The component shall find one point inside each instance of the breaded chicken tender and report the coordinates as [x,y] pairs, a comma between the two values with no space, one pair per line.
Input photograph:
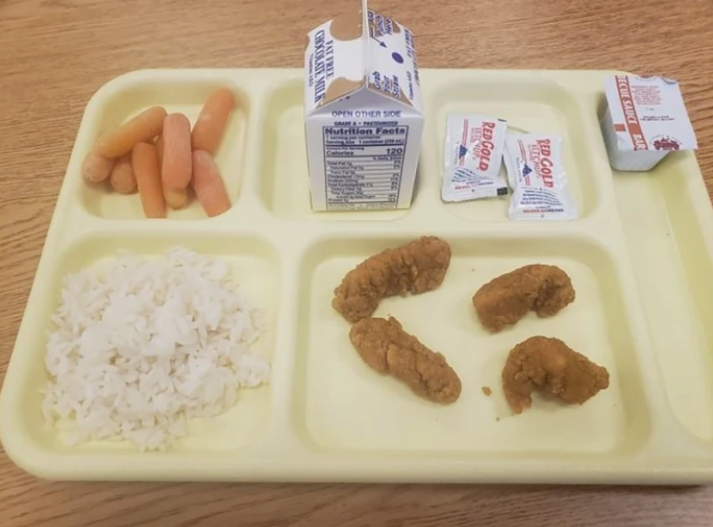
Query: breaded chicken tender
[502,302]
[387,348]
[416,267]
[552,367]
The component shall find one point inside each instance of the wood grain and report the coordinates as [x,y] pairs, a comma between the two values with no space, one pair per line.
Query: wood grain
[55,53]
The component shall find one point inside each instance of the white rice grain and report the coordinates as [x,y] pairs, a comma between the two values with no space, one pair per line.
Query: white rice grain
[142,346]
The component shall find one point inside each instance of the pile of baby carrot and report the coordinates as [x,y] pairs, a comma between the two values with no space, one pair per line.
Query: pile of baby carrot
[161,156]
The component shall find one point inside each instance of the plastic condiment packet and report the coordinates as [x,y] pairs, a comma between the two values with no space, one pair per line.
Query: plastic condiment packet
[473,157]
[536,174]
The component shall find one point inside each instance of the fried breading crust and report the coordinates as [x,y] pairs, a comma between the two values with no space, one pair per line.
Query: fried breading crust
[550,366]
[416,267]
[502,302]
[387,348]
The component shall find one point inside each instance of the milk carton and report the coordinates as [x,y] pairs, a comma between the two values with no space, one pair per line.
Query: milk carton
[363,112]
[644,121]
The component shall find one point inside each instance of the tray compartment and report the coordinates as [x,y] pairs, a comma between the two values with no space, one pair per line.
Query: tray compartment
[122,99]
[284,184]
[537,104]
[672,262]
[255,265]
[340,404]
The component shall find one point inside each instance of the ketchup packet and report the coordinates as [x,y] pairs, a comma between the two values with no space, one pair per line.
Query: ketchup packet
[473,157]
[537,177]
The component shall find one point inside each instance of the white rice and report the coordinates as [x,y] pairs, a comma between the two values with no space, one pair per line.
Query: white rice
[142,346]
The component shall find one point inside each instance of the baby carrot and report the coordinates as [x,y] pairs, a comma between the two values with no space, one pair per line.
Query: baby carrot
[208,130]
[143,127]
[148,179]
[176,199]
[122,177]
[96,168]
[176,166]
[208,185]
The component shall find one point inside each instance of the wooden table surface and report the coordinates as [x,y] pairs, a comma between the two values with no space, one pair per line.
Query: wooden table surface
[55,53]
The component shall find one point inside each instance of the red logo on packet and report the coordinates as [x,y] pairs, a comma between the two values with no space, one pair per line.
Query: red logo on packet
[544,167]
[487,146]
[666,143]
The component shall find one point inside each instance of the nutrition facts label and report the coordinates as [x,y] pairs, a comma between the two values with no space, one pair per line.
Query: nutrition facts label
[363,165]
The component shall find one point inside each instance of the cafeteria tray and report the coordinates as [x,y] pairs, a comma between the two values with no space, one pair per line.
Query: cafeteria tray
[640,257]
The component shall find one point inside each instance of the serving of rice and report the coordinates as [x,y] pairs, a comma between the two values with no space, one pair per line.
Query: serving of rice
[144,345]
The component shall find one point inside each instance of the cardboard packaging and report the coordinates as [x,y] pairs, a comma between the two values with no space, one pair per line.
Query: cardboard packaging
[645,119]
[363,112]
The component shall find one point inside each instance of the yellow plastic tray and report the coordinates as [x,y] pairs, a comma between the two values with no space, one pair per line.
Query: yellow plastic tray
[640,257]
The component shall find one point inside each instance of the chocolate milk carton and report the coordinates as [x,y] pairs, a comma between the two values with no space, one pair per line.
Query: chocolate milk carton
[363,112]
[645,119]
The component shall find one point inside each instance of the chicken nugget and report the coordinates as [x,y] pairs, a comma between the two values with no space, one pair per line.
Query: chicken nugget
[552,367]
[502,302]
[416,267]
[387,348]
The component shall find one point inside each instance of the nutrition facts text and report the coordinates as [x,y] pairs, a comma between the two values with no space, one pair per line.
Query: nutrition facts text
[363,165]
